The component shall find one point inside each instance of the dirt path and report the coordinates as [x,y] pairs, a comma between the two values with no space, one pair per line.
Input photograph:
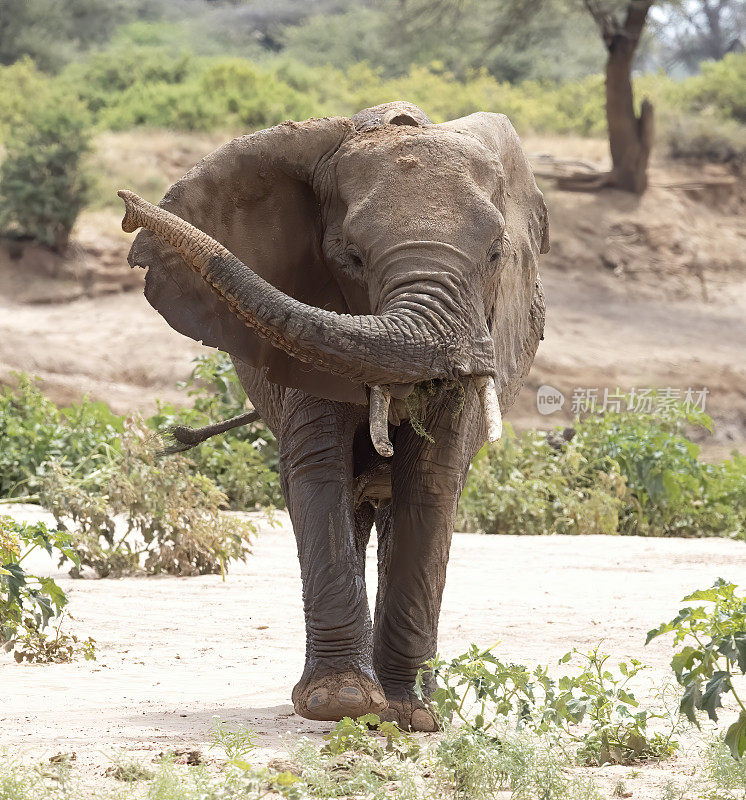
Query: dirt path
[174,653]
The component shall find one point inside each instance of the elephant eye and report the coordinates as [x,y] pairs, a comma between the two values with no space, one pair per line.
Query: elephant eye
[496,250]
[353,259]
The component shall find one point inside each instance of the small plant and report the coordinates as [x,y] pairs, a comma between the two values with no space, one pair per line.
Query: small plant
[29,603]
[129,772]
[713,653]
[724,775]
[483,694]
[480,690]
[236,742]
[474,765]
[601,697]
[353,736]
[620,789]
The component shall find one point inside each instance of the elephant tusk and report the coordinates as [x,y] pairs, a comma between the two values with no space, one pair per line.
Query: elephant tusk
[490,407]
[380,398]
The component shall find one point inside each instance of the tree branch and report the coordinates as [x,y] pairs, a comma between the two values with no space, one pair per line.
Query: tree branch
[637,12]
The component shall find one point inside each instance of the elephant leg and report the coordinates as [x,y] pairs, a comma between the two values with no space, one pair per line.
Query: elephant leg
[414,541]
[316,467]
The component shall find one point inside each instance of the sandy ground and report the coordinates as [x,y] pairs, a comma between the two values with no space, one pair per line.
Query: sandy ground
[173,653]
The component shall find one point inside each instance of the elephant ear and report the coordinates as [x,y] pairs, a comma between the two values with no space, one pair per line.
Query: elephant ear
[514,306]
[254,195]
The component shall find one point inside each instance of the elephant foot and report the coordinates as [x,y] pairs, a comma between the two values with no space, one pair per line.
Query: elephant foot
[334,695]
[408,711]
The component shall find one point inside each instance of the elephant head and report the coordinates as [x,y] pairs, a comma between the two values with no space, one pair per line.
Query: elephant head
[354,258]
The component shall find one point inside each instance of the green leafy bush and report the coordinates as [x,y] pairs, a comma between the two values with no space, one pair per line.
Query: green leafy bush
[244,462]
[35,432]
[20,81]
[29,603]
[143,79]
[720,87]
[713,654]
[87,464]
[43,184]
[104,76]
[624,473]
[172,515]
[705,138]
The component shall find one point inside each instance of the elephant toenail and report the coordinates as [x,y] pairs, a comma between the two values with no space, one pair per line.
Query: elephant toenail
[350,696]
[377,698]
[423,720]
[317,698]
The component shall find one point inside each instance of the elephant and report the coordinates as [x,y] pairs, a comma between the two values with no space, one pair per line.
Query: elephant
[375,282]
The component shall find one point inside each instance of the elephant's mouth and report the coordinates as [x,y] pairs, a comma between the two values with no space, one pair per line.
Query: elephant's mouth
[380,401]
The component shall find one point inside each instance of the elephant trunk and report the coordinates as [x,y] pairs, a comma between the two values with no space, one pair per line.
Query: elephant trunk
[396,347]
[393,347]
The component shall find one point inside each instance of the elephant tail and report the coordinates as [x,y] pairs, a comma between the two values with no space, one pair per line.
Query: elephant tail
[185,438]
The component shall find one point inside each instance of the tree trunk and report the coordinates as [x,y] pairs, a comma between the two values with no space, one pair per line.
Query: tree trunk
[630,137]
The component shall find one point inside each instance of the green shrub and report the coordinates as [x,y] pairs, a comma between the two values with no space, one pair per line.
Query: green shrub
[171,514]
[81,439]
[86,464]
[184,106]
[721,87]
[34,432]
[244,462]
[705,138]
[43,185]
[20,81]
[29,603]
[104,76]
[144,77]
[622,473]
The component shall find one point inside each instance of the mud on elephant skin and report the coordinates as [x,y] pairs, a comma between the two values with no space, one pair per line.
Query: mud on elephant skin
[373,279]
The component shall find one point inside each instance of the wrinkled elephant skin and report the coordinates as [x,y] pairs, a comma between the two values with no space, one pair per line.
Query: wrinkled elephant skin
[351,267]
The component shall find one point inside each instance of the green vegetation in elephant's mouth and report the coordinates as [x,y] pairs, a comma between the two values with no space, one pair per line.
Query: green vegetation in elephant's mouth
[427,393]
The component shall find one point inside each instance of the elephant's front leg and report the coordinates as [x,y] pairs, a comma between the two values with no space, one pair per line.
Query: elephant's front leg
[414,541]
[316,466]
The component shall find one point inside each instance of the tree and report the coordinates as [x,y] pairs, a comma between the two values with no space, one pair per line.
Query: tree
[630,136]
[508,38]
[692,31]
[621,24]
[53,32]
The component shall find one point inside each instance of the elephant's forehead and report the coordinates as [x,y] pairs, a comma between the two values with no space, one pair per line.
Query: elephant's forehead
[400,149]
